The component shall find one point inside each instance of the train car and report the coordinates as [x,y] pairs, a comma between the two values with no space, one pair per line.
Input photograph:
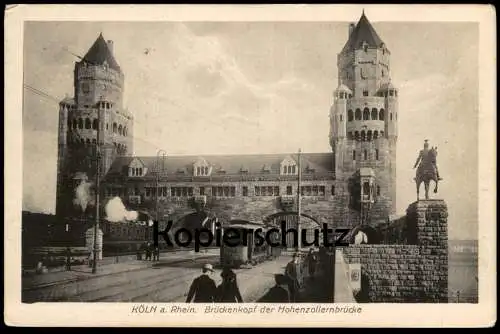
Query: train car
[245,253]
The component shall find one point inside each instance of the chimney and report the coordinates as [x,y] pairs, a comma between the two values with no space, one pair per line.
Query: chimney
[110,45]
[351,28]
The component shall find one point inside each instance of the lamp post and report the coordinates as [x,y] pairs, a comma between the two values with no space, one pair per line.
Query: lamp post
[157,197]
[100,106]
[299,241]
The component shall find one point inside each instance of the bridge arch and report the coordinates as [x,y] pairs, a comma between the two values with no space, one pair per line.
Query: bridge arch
[310,224]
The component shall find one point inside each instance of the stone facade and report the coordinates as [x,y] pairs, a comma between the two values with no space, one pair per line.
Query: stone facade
[353,184]
[413,272]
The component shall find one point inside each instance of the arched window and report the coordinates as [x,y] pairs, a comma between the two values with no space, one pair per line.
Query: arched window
[289,169]
[375,134]
[365,155]
[120,129]
[293,169]
[381,134]
[75,124]
[381,115]
[356,135]
[115,127]
[396,116]
[366,114]
[87,123]
[206,170]
[94,124]
[94,141]
[363,135]
[88,142]
[376,153]
[378,190]
[358,114]
[353,154]
[82,141]
[124,130]
[140,171]
[198,171]
[341,118]
[107,126]
[350,115]
[366,188]
[80,123]
[369,135]
[390,115]
[374,114]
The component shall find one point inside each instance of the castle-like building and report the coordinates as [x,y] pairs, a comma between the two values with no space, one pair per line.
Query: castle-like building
[353,184]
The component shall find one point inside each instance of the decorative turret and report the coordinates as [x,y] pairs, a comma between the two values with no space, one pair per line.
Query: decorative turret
[338,114]
[364,120]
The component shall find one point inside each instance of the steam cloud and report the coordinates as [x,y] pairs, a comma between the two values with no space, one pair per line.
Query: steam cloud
[116,211]
[82,193]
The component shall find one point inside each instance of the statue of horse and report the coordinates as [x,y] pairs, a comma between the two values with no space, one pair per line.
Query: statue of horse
[426,172]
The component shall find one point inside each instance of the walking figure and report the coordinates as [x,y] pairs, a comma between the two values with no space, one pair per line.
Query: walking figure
[228,291]
[312,262]
[68,259]
[279,292]
[156,254]
[203,288]
[293,272]
[148,252]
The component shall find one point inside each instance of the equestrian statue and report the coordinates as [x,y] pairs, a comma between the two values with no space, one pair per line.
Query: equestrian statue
[427,169]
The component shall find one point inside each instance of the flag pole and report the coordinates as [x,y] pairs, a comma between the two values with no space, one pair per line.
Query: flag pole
[299,190]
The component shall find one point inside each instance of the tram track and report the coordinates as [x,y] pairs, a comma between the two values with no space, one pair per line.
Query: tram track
[89,288]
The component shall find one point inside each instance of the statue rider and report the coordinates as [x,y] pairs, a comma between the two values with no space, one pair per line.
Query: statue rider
[424,154]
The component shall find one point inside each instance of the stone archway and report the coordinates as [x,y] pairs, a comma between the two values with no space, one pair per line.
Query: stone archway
[290,219]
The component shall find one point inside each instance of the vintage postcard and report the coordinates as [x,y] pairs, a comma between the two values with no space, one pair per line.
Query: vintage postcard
[271,165]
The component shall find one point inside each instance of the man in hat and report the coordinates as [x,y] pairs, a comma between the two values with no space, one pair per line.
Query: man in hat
[279,292]
[203,288]
[293,272]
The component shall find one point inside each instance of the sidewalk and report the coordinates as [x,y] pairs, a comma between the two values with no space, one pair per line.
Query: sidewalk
[83,272]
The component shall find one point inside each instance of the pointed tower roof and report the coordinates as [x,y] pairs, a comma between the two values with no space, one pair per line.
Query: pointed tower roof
[363,32]
[100,53]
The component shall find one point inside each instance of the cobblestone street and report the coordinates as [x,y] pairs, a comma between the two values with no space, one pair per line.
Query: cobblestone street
[140,281]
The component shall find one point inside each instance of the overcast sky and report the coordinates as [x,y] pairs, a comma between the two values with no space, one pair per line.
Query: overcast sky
[231,88]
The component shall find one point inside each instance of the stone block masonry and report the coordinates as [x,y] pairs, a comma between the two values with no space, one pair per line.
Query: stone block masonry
[414,272]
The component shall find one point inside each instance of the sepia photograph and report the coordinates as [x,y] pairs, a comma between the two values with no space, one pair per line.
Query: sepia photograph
[241,161]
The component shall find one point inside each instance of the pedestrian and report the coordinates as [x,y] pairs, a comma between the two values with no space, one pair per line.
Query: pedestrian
[293,273]
[279,292]
[203,288]
[156,254]
[312,262]
[228,291]
[68,259]
[148,252]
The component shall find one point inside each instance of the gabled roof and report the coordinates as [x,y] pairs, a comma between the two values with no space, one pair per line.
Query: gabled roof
[231,164]
[363,32]
[100,53]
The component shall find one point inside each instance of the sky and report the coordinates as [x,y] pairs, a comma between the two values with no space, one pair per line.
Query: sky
[261,87]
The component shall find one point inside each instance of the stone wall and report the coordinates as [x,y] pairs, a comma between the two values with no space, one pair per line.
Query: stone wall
[416,269]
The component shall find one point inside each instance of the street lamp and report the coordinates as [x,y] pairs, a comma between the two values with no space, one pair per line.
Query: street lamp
[100,106]
[163,154]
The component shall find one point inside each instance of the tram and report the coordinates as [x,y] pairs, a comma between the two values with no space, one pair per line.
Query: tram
[247,253]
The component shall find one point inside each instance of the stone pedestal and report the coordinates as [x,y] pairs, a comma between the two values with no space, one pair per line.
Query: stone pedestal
[429,218]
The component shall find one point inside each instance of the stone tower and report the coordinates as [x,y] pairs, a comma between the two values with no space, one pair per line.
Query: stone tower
[363,123]
[98,87]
